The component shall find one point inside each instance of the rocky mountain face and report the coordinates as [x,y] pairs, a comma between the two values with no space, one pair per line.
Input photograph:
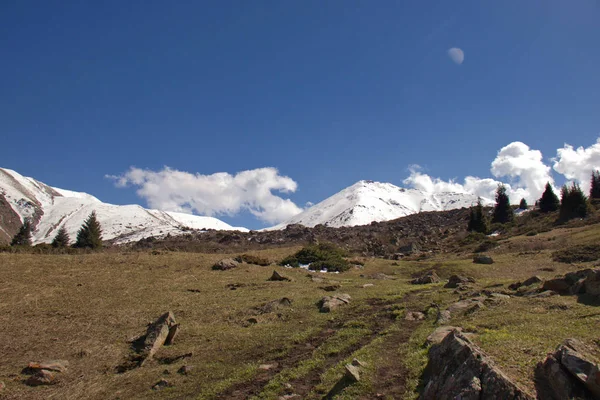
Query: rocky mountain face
[49,208]
[368,201]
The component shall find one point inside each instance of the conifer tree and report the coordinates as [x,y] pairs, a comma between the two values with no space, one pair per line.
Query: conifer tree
[478,221]
[523,204]
[23,237]
[595,188]
[90,233]
[503,213]
[573,203]
[549,201]
[61,239]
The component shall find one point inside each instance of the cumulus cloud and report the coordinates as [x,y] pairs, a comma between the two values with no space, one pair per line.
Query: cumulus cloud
[526,172]
[217,194]
[578,164]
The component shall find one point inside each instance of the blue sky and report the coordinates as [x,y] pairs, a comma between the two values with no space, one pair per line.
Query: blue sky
[327,92]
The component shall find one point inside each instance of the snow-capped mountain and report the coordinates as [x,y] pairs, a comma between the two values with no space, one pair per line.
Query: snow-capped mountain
[368,201]
[50,208]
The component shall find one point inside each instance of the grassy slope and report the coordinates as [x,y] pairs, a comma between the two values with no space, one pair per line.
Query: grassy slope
[83,308]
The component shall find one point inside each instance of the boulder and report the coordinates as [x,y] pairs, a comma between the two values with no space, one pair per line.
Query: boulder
[351,376]
[428,277]
[458,369]
[439,334]
[276,276]
[54,365]
[225,264]
[160,332]
[531,281]
[570,372]
[456,280]
[482,259]
[41,377]
[583,282]
[330,303]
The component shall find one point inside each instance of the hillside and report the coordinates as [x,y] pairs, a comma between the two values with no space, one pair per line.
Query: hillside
[49,208]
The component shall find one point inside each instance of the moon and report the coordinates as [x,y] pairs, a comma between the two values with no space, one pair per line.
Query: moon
[456,55]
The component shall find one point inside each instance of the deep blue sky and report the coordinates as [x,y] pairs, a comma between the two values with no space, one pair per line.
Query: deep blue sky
[329,92]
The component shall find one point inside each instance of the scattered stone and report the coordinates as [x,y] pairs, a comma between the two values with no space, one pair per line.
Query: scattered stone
[366,285]
[414,316]
[352,373]
[331,288]
[428,277]
[41,377]
[54,365]
[278,277]
[225,264]
[330,303]
[544,294]
[458,369]
[351,376]
[273,305]
[267,367]
[466,306]
[163,383]
[443,316]
[160,332]
[185,370]
[457,280]
[481,259]
[570,372]
[381,276]
[439,334]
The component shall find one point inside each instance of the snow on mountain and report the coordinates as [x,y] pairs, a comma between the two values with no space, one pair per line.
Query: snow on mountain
[50,208]
[368,201]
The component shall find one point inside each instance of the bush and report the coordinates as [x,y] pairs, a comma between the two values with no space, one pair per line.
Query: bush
[322,256]
[580,253]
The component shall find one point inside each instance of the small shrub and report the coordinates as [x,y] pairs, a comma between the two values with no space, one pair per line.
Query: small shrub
[322,256]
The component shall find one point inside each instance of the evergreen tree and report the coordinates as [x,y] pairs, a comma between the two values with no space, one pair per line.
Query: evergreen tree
[549,201]
[523,204]
[61,239]
[503,213]
[23,237]
[478,221]
[595,189]
[573,203]
[90,233]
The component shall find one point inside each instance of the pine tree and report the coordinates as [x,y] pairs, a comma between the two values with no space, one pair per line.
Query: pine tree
[23,237]
[523,204]
[573,203]
[549,201]
[61,239]
[595,188]
[478,221]
[90,233]
[503,213]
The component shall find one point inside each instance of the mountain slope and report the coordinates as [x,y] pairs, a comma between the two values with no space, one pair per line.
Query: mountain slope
[368,201]
[50,208]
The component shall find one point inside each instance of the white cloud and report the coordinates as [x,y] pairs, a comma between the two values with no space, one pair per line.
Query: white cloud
[523,166]
[578,164]
[457,55]
[217,194]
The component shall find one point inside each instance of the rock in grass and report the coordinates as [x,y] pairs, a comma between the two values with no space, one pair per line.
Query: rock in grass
[54,365]
[41,377]
[481,259]
[184,370]
[276,276]
[330,303]
[428,277]
[414,316]
[163,383]
[456,280]
[160,332]
[225,264]
[440,333]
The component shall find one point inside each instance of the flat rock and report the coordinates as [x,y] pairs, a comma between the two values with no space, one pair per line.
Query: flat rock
[225,264]
[54,365]
[440,333]
[41,377]
[330,303]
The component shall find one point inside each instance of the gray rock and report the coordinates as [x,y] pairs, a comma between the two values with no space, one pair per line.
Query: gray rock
[456,280]
[54,365]
[163,383]
[481,259]
[225,264]
[428,277]
[330,303]
[440,333]
[41,377]
[276,276]
[458,369]
[578,360]
[414,316]
[156,336]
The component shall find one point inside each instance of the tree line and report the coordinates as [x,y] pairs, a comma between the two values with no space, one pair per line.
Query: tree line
[89,235]
[573,203]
